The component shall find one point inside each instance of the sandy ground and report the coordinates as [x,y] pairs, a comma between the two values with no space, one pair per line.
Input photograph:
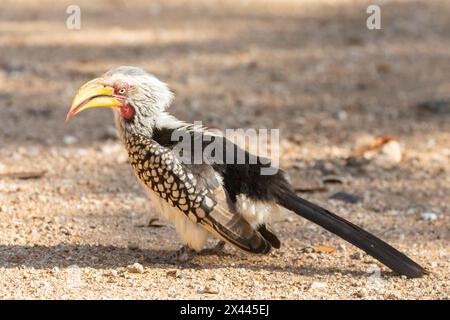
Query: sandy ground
[310,68]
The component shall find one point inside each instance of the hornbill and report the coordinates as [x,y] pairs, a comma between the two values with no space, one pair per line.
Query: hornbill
[231,201]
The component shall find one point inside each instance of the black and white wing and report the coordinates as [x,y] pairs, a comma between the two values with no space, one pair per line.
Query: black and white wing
[195,190]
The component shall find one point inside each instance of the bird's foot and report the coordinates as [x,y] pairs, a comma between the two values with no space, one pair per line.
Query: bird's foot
[217,249]
[184,254]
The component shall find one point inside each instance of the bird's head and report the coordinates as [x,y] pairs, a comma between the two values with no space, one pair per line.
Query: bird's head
[137,97]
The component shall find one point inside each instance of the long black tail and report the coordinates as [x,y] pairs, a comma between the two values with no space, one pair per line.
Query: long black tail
[374,246]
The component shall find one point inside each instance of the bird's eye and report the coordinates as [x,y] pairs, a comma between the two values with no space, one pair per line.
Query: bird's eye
[122,91]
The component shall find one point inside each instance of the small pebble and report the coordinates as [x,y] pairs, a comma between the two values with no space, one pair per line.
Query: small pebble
[133,214]
[346,197]
[210,290]
[428,216]
[312,256]
[390,154]
[64,231]
[140,224]
[437,106]
[133,246]
[172,273]
[135,268]
[215,277]
[342,115]
[358,255]
[318,285]
[111,273]
[69,140]
[361,293]
[182,275]
[308,249]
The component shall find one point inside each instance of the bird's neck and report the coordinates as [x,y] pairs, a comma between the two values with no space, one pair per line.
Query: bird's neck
[149,127]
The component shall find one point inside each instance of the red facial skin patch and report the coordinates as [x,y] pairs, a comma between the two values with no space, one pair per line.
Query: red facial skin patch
[127,112]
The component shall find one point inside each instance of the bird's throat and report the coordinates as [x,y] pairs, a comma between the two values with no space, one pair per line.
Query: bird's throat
[127,112]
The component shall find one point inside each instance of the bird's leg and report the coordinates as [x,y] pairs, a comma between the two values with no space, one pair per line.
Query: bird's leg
[217,249]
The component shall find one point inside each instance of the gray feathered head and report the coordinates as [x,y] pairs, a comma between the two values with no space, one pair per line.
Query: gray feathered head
[137,97]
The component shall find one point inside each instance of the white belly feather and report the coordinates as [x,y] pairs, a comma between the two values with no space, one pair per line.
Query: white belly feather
[192,234]
[258,212]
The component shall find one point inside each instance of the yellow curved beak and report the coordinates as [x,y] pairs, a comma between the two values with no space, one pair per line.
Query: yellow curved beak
[93,94]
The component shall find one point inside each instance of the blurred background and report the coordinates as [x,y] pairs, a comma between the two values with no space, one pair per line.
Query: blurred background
[369,108]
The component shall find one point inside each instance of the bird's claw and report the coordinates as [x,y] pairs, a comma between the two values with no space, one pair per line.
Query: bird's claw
[184,254]
[217,249]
